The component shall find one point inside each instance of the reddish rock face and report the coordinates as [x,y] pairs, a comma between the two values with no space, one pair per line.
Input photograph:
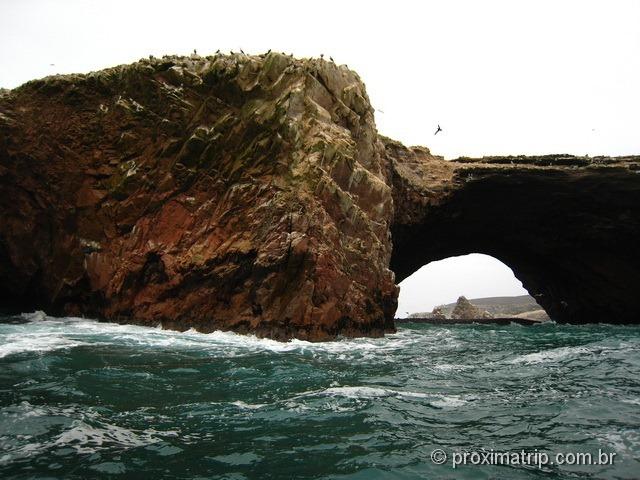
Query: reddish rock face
[253,194]
[243,193]
[568,226]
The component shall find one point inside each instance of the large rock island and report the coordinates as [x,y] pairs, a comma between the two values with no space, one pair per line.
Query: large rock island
[254,194]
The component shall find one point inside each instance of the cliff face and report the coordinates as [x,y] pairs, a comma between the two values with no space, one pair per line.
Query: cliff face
[229,192]
[568,226]
[253,193]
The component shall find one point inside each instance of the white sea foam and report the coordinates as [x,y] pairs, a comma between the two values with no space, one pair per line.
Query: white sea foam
[36,316]
[623,442]
[85,438]
[248,406]
[449,367]
[358,392]
[551,355]
[449,401]
[84,430]
[44,333]
[35,342]
[368,392]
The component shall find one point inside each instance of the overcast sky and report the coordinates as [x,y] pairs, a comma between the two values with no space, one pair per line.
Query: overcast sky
[500,77]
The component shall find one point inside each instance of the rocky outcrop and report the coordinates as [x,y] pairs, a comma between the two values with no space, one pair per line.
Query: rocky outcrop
[568,226]
[243,193]
[436,313]
[464,310]
[501,307]
[253,194]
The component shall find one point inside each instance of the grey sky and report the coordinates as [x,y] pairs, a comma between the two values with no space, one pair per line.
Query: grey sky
[473,276]
[500,77]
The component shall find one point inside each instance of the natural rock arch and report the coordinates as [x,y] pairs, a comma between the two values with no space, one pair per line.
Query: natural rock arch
[567,226]
[253,193]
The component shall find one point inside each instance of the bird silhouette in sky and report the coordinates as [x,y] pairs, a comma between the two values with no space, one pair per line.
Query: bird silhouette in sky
[438,130]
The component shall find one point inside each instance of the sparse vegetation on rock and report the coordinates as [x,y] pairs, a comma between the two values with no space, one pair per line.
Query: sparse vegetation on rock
[253,193]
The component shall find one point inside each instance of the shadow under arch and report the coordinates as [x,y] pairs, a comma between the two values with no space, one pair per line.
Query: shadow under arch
[571,237]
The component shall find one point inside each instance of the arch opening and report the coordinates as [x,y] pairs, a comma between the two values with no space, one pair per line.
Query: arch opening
[484,280]
[570,241]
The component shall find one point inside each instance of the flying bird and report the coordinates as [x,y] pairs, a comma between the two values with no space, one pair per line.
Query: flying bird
[379,110]
[438,130]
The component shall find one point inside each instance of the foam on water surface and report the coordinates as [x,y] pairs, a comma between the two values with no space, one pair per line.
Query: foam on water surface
[80,398]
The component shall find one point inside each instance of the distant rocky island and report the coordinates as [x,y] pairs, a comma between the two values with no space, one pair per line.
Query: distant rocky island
[253,193]
[522,306]
[500,310]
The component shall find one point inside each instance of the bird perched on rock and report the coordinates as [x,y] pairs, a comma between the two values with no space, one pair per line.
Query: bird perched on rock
[439,129]
[195,52]
[331,58]
[268,51]
[218,51]
[242,51]
[322,55]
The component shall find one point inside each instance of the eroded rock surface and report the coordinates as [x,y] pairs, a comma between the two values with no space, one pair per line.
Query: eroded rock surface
[254,194]
[228,192]
[464,310]
[568,226]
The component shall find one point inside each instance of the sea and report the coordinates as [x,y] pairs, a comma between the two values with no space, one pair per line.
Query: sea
[82,399]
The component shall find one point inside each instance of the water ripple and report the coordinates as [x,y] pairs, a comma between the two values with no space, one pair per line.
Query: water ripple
[80,398]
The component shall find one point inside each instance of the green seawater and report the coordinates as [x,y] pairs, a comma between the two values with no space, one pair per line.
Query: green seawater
[81,399]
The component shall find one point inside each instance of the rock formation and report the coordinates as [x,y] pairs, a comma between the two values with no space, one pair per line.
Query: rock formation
[436,313]
[238,192]
[464,310]
[254,194]
[568,226]
[521,306]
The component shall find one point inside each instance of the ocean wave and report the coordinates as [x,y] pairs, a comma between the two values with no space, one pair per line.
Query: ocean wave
[248,406]
[83,430]
[49,333]
[86,438]
[367,392]
[551,355]
[39,342]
